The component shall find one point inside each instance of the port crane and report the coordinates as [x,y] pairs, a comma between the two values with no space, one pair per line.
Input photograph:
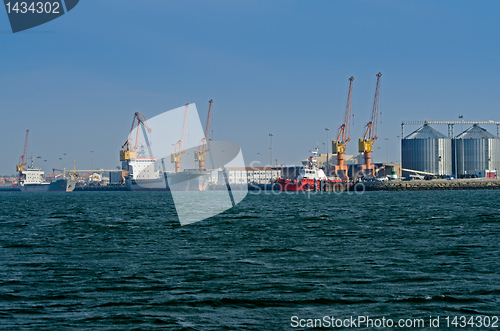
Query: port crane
[176,157]
[201,155]
[22,159]
[73,173]
[339,146]
[129,150]
[366,144]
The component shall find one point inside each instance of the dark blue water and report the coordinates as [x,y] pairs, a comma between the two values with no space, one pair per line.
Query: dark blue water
[120,260]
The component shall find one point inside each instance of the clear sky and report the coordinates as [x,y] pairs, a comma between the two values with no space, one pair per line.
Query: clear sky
[274,66]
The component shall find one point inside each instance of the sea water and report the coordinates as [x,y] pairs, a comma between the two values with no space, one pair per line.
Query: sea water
[120,260]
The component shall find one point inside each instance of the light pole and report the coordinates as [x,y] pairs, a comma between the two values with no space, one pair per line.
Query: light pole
[327,152]
[387,150]
[271,163]
[271,150]
[92,153]
[463,152]
[399,157]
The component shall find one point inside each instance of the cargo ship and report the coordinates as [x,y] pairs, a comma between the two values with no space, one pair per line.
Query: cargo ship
[188,180]
[144,176]
[31,180]
[309,178]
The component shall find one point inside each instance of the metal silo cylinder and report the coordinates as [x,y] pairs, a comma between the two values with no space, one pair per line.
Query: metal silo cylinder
[427,150]
[476,149]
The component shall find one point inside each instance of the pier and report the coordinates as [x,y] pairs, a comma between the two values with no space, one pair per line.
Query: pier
[435,184]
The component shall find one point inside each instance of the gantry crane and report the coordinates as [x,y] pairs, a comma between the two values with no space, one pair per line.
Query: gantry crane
[129,150]
[366,144]
[22,159]
[201,155]
[339,146]
[179,146]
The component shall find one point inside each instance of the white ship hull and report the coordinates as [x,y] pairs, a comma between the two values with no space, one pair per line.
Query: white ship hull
[188,180]
[157,184]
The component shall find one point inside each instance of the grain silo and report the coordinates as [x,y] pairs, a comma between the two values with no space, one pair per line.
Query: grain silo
[427,150]
[476,149]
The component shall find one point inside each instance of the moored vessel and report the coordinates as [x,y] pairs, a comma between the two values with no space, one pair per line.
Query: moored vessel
[144,176]
[188,180]
[31,180]
[310,177]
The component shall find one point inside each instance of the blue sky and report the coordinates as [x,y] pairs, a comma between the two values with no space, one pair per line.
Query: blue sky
[278,67]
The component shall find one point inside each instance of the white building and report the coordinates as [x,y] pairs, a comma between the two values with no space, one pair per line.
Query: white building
[249,175]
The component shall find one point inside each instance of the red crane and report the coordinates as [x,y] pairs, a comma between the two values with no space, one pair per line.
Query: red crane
[22,159]
[339,146]
[179,146]
[201,155]
[366,144]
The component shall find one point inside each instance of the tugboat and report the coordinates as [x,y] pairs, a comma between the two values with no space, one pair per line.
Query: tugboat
[309,179]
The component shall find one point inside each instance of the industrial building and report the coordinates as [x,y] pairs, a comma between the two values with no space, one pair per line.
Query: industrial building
[475,151]
[250,175]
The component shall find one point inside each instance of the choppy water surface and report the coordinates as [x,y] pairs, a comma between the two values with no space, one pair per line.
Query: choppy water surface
[120,260]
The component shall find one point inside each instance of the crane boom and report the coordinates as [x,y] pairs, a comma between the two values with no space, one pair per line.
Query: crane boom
[129,150]
[204,147]
[339,146]
[370,134]
[179,146]
[22,160]
[345,129]
[371,127]
[209,124]
[141,119]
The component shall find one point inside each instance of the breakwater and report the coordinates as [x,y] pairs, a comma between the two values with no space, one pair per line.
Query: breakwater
[435,184]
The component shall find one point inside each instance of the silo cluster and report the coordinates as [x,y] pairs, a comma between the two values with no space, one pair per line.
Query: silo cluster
[428,150]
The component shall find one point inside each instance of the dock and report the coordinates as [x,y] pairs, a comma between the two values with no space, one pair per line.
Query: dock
[435,184]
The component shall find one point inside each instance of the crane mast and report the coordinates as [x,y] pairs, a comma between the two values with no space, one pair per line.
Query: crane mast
[22,159]
[201,155]
[339,146]
[370,135]
[176,157]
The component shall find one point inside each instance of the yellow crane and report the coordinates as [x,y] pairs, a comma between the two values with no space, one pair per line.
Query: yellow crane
[339,146]
[129,150]
[176,157]
[201,155]
[366,144]
[22,160]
